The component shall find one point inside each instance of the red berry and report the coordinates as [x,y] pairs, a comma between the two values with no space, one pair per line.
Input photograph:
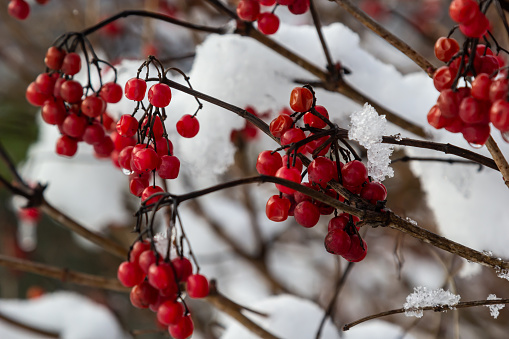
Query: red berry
[298,163]
[277,208]
[34,95]
[159,95]
[111,92]
[155,127]
[476,134]
[306,214]
[293,135]
[197,286]
[354,173]
[315,121]
[443,78]
[499,89]
[164,146]
[74,125]
[463,10]
[285,2]
[161,277]
[71,64]
[18,9]
[149,191]
[104,148]
[66,146]
[268,163]
[170,312]
[188,126]
[473,111]
[268,23]
[448,102]
[321,171]
[169,168]
[146,259]
[299,7]
[477,27]
[481,87]
[267,2]
[71,91]
[94,133]
[299,196]
[93,106]
[183,329]
[127,126]
[183,268]
[143,295]
[53,112]
[46,83]
[146,160]
[446,48]
[291,174]
[137,185]
[499,115]
[373,192]
[135,89]
[301,99]
[138,248]
[248,10]
[337,242]
[130,274]
[54,58]
[280,125]
[356,252]
[436,119]
[121,142]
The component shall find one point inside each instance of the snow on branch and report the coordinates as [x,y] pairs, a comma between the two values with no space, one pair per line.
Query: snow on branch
[422,297]
[368,128]
[494,309]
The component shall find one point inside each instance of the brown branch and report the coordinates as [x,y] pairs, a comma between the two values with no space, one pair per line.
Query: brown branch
[233,310]
[105,243]
[63,275]
[499,159]
[464,304]
[387,36]
[318,26]
[28,328]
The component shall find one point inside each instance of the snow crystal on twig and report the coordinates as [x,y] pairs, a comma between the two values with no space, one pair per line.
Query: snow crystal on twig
[494,309]
[368,128]
[504,274]
[422,297]
[413,222]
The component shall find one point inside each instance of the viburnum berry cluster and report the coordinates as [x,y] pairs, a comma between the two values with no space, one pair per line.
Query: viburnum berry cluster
[20,9]
[320,142]
[159,284]
[473,85]
[268,22]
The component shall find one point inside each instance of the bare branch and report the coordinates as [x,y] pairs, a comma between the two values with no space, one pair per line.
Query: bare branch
[499,159]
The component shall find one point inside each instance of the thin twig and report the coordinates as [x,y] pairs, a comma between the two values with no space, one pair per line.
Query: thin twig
[499,159]
[28,328]
[62,274]
[318,26]
[463,304]
[387,36]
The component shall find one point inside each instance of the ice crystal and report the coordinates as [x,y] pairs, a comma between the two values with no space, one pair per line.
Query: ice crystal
[423,297]
[494,309]
[368,128]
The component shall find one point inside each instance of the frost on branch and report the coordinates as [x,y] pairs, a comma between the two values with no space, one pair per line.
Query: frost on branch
[368,128]
[422,297]
[494,309]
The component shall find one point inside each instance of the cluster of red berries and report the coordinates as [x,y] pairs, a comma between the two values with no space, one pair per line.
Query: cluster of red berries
[483,99]
[20,9]
[343,237]
[64,103]
[268,22]
[157,284]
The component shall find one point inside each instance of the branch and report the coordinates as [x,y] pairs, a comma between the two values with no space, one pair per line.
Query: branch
[463,304]
[387,36]
[63,275]
[499,159]
[105,243]
[318,26]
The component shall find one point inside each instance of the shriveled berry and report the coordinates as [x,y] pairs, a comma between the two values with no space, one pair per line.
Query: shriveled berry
[127,126]
[277,208]
[301,99]
[169,168]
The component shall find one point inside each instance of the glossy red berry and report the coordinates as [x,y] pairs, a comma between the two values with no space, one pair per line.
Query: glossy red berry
[130,274]
[481,87]
[268,23]
[93,106]
[301,99]
[448,101]
[373,192]
[293,162]
[499,115]
[443,78]
[446,48]
[248,10]
[71,64]
[306,214]
[94,133]
[18,9]
[54,58]
[111,92]
[473,111]
[499,89]
[354,173]
[197,286]
[183,329]
[170,312]
[146,259]
[74,125]
[436,119]
[149,191]
[164,146]
[476,134]
[143,295]
[293,135]
[104,148]
[53,112]
[169,168]
[321,171]
[291,174]
[183,268]
[268,163]
[34,95]
[71,91]
[121,142]
[127,126]
[159,95]
[277,208]
[358,249]
[463,10]
[299,7]
[146,160]
[138,248]
[46,82]
[188,126]
[135,89]
[66,146]
[280,125]
[314,120]
[337,242]
[477,27]
[161,277]
[137,185]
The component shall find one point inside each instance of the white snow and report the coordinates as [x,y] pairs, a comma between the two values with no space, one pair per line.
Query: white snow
[494,309]
[71,315]
[368,128]
[424,297]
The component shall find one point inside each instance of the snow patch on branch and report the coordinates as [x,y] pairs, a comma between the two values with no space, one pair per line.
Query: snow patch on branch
[368,128]
[423,297]
[494,309]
